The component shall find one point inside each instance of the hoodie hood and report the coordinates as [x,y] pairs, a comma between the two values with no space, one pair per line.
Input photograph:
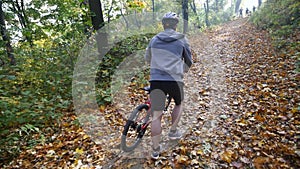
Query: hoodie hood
[169,35]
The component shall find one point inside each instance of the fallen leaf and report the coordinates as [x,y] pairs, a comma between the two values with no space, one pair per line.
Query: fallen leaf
[260,161]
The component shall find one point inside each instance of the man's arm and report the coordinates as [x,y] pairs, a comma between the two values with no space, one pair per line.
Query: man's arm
[148,55]
[187,57]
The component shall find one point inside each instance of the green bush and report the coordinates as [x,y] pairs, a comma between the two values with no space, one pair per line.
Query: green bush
[281,19]
[34,93]
[112,59]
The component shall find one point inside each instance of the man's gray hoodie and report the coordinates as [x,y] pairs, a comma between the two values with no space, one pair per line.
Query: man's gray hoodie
[169,56]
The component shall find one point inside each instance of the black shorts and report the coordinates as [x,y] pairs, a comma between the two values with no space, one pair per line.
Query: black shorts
[159,90]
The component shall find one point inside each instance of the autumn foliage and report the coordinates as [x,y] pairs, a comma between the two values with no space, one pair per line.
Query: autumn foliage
[241,106]
[257,126]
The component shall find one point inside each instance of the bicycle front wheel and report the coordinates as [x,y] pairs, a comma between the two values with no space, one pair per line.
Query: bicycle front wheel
[135,128]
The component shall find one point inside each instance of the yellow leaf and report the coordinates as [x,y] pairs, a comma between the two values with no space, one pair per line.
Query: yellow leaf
[242,122]
[79,151]
[102,108]
[142,85]
[227,156]
[261,143]
[200,152]
[259,161]
[295,110]
[182,159]
[183,150]
[167,167]
[86,136]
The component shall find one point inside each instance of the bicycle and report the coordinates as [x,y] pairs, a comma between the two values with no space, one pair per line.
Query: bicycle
[137,123]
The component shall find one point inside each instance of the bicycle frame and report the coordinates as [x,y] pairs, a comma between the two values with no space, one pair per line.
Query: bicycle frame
[139,122]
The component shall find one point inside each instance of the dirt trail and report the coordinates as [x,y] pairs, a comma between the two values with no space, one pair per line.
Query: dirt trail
[236,111]
[206,94]
[240,87]
[206,83]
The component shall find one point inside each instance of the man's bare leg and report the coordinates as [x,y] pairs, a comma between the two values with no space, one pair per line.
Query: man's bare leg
[176,115]
[156,128]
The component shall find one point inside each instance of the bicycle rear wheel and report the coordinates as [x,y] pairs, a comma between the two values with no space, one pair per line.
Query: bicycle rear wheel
[135,128]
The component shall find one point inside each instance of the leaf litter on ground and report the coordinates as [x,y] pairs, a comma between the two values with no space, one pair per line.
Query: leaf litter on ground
[241,111]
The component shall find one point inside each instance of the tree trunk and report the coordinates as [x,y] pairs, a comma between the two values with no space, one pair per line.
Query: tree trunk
[259,3]
[97,14]
[206,8]
[153,7]
[217,5]
[98,23]
[153,10]
[5,37]
[237,6]
[185,15]
[19,9]
[193,6]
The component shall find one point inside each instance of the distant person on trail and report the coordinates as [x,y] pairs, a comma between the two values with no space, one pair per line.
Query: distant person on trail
[170,57]
[241,12]
[254,8]
[247,12]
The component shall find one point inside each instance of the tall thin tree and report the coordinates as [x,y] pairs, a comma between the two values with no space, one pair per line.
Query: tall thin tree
[153,10]
[153,7]
[194,9]
[5,37]
[217,5]
[206,8]
[259,3]
[18,7]
[237,5]
[185,15]
[98,23]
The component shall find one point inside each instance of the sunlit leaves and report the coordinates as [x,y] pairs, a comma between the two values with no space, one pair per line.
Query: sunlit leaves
[136,4]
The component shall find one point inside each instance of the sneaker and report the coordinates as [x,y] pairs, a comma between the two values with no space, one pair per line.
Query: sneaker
[156,152]
[175,135]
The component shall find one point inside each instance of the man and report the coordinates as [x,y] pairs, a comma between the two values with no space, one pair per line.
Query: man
[169,56]
[241,12]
